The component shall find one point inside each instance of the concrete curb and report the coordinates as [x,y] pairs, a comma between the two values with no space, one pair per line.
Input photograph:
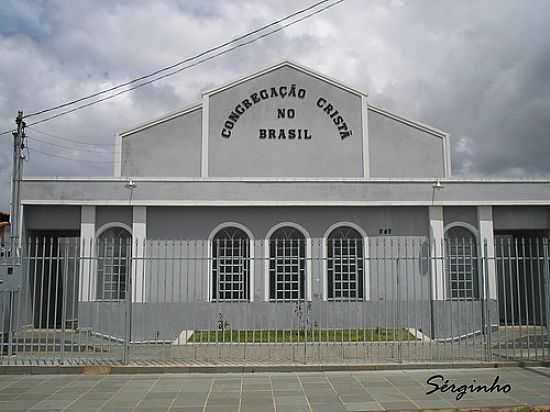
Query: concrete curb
[245,368]
[537,408]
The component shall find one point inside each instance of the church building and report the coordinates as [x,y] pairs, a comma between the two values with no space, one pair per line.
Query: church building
[286,186]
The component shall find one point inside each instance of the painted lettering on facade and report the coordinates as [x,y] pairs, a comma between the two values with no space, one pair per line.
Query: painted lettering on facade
[284,134]
[286,93]
[282,92]
[335,116]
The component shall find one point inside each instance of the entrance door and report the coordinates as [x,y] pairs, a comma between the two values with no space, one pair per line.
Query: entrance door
[53,266]
[520,278]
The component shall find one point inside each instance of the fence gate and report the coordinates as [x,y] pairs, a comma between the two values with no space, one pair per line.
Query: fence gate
[344,299]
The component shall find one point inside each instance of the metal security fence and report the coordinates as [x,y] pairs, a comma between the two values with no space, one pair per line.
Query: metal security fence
[288,299]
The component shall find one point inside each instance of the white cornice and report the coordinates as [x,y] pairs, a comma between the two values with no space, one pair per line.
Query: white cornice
[161,119]
[430,180]
[307,203]
[285,63]
[421,126]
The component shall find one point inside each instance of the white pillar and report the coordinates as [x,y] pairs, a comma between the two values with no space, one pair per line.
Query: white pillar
[436,250]
[88,278]
[486,236]
[139,235]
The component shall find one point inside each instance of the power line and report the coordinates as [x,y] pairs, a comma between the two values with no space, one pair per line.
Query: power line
[95,151]
[139,85]
[72,158]
[55,136]
[179,63]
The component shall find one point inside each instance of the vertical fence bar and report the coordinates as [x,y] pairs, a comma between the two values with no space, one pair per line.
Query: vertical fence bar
[11,336]
[540,291]
[419,349]
[505,269]
[532,290]
[56,301]
[48,296]
[75,313]
[64,301]
[430,296]
[34,259]
[546,288]
[518,291]
[397,296]
[131,263]
[525,288]
[511,272]
[487,303]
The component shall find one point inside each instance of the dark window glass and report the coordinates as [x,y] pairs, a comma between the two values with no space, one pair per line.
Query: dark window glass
[230,265]
[345,273]
[462,264]
[113,263]
[287,250]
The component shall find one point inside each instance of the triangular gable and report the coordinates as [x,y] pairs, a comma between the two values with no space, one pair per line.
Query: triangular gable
[285,63]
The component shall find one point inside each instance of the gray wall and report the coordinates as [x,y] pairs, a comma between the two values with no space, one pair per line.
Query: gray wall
[459,318]
[173,279]
[325,154]
[397,149]
[171,148]
[521,217]
[52,217]
[178,271]
[110,214]
[196,223]
[462,214]
[165,321]
[149,192]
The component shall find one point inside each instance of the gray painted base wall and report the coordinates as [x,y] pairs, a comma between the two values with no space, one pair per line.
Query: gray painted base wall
[460,318]
[166,321]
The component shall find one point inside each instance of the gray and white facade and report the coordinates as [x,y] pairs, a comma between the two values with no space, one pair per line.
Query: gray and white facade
[287,153]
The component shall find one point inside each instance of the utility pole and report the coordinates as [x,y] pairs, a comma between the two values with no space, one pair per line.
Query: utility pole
[11,265]
[18,145]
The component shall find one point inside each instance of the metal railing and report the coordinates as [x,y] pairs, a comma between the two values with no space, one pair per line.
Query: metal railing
[290,299]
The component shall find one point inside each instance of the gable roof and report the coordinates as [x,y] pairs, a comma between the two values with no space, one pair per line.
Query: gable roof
[293,65]
[285,63]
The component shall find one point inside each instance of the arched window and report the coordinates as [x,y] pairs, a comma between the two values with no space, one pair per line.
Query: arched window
[230,265]
[114,250]
[345,273]
[462,263]
[287,263]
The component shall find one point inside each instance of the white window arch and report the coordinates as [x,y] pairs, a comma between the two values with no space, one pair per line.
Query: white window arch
[345,261]
[288,263]
[231,268]
[462,261]
[114,254]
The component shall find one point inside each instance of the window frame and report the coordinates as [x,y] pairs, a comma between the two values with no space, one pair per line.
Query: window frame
[358,262]
[306,257]
[128,258]
[476,291]
[366,260]
[213,233]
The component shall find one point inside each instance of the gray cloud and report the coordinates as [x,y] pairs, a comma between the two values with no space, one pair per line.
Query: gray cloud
[479,70]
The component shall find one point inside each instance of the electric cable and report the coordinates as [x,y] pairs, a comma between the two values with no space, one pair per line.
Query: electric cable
[186,60]
[139,85]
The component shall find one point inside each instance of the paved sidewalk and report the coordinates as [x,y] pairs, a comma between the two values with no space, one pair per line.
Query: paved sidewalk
[264,392]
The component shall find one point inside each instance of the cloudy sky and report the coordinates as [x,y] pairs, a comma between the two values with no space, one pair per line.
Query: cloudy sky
[478,70]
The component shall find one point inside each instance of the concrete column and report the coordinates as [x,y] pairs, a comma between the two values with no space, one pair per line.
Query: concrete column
[486,237]
[88,276]
[139,235]
[436,250]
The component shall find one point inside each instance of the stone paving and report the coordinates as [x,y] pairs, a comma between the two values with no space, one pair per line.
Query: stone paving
[264,392]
